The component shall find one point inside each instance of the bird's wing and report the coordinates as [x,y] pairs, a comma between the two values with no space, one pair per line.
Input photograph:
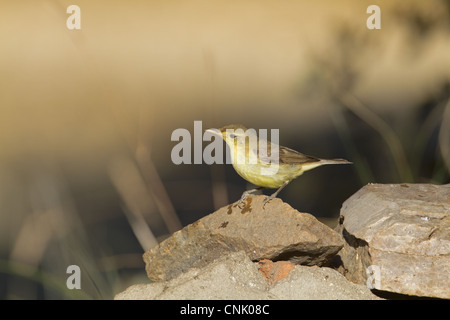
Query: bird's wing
[285,156]
[290,156]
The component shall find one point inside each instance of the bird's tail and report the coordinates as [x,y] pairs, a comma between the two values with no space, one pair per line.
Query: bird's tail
[334,161]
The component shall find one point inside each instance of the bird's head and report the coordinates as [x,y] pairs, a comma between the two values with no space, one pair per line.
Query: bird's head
[231,133]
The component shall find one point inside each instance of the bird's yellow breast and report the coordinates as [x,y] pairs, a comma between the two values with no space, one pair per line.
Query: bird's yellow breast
[263,176]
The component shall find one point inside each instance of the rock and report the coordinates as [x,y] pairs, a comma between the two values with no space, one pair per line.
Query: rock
[230,277]
[277,232]
[235,277]
[397,238]
[275,271]
[314,283]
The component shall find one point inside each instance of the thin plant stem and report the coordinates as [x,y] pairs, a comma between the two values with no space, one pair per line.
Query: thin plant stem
[385,131]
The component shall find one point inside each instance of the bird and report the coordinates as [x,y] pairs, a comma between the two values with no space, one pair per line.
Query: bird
[275,168]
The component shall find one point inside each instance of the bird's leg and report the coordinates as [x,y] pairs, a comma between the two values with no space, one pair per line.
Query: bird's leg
[246,194]
[273,195]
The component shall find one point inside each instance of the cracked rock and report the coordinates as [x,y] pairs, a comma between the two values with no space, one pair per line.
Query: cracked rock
[276,232]
[235,277]
[397,238]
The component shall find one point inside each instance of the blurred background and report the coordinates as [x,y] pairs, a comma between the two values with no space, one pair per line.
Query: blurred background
[86,118]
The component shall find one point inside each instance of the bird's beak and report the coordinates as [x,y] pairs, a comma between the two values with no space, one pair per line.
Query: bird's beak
[215,131]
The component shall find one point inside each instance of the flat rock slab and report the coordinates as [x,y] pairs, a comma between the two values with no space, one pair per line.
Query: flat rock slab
[276,232]
[230,277]
[235,277]
[397,238]
[314,283]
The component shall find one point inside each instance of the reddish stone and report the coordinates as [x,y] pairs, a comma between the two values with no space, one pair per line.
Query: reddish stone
[275,271]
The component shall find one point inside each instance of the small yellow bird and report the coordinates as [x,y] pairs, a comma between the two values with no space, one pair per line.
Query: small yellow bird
[274,168]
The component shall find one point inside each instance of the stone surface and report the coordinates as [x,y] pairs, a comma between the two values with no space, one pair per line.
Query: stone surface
[235,277]
[275,271]
[276,232]
[397,238]
[314,283]
[231,277]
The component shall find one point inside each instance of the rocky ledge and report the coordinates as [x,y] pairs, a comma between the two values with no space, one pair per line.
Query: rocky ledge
[397,238]
[391,238]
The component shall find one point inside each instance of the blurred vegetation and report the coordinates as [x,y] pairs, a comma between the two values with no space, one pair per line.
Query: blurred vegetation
[85,170]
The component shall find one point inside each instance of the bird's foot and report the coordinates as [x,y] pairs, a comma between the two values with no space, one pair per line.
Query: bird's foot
[245,194]
[266,200]
[240,203]
[274,195]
